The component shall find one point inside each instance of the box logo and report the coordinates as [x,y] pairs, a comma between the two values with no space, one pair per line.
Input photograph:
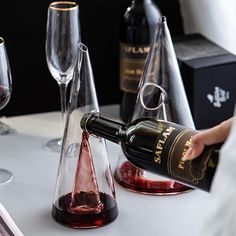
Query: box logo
[218,97]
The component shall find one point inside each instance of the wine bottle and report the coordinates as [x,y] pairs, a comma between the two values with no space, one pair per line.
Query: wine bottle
[138,25]
[158,146]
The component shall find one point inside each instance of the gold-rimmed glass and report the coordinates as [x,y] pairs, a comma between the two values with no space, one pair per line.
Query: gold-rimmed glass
[62,38]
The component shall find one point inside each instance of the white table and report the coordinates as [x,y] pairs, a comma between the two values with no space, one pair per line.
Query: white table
[28,198]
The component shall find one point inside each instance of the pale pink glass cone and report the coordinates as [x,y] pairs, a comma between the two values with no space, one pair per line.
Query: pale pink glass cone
[85,194]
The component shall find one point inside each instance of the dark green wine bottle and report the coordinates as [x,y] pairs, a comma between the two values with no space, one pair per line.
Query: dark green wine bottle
[137,28]
[158,146]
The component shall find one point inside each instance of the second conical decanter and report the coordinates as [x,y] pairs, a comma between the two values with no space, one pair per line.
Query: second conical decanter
[161,95]
[85,194]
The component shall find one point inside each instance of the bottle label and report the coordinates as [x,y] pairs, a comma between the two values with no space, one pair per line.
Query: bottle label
[132,60]
[172,144]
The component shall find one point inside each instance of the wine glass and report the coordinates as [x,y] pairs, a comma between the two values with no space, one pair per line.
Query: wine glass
[5,94]
[62,38]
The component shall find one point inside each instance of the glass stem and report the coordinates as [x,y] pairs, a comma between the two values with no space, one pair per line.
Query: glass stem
[63,89]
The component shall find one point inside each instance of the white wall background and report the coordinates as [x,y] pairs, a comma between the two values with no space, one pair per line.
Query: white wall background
[215,19]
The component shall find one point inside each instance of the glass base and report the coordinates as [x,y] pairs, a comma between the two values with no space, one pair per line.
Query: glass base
[131,178]
[5,176]
[54,145]
[4,128]
[64,214]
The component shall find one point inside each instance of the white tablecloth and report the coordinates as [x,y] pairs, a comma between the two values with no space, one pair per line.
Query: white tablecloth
[28,198]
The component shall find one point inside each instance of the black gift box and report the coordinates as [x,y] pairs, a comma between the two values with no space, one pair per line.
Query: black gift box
[209,76]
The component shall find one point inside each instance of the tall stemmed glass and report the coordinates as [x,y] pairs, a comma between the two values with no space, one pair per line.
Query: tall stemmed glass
[5,94]
[62,38]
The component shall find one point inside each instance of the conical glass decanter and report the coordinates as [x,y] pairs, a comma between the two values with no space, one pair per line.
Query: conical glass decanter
[161,95]
[85,194]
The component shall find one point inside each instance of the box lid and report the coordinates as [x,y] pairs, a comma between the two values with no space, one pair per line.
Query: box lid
[211,61]
[197,51]
[192,46]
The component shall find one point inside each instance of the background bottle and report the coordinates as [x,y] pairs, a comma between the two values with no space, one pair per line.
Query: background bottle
[158,146]
[137,29]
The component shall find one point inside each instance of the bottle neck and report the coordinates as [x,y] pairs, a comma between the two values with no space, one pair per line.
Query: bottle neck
[102,127]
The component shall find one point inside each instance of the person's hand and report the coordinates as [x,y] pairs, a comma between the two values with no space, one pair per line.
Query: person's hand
[217,134]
